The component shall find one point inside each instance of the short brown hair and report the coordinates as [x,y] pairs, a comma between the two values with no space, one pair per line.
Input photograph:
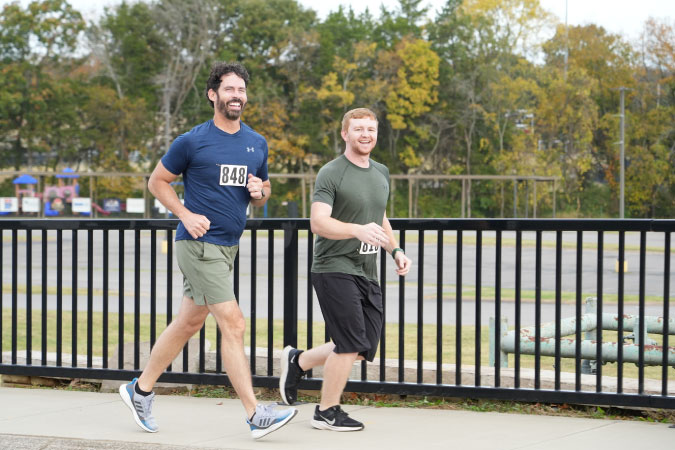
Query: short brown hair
[224,68]
[358,113]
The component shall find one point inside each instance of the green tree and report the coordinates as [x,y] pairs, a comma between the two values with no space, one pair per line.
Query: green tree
[36,48]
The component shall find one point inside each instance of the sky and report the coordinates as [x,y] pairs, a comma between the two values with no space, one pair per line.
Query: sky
[624,17]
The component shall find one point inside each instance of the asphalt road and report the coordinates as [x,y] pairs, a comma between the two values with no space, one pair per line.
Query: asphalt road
[414,294]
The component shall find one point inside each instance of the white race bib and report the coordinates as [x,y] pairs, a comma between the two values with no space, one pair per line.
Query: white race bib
[367,249]
[231,175]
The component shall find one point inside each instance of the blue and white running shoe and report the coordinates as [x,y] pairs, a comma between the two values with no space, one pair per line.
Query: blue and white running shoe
[140,406]
[268,418]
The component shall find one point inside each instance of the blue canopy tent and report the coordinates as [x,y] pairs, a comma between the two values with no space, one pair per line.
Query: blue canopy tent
[25,179]
[67,173]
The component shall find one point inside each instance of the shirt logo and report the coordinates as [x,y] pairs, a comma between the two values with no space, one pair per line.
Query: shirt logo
[329,421]
[250,149]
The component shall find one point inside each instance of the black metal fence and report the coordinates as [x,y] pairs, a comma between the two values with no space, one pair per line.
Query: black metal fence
[74,292]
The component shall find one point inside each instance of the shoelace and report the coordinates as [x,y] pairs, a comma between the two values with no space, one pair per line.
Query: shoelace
[146,406]
[264,415]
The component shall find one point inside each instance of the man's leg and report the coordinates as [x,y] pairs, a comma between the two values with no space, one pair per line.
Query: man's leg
[315,357]
[335,375]
[263,419]
[232,326]
[189,320]
[137,394]
[294,364]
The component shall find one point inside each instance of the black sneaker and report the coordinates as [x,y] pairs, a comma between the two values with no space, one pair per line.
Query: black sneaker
[334,419]
[291,373]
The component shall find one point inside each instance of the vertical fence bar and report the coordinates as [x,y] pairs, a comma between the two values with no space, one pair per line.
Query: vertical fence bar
[169,277]
[120,300]
[401,318]
[310,293]
[254,312]
[270,299]
[498,308]
[106,298]
[458,311]
[383,332]
[74,258]
[290,284]
[577,346]
[2,306]
[44,297]
[558,304]
[439,308]
[477,300]
[137,299]
[666,314]
[59,297]
[90,297]
[169,287]
[519,267]
[29,297]
[153,287]
[202,352]
[537,312]
[641,314]
[619,340]
[420,305]
[598,348]
[15,295]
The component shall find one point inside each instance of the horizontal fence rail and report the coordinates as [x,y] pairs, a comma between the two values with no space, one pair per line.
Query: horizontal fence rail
[88,299]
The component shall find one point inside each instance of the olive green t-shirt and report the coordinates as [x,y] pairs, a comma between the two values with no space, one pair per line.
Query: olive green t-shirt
[357,195]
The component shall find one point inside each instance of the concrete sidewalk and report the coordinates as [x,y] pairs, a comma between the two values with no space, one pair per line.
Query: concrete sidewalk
[57,419]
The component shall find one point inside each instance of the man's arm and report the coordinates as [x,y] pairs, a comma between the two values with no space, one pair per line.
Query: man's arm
[159,185]
[326,226]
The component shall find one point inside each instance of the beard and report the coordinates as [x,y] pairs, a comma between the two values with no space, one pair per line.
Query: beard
[225,111]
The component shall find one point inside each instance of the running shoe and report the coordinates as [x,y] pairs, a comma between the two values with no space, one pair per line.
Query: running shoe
[334,419]
[268,418]
[291,373]
[140,406]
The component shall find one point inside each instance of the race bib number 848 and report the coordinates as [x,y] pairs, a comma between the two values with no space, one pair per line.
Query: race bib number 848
[231,175]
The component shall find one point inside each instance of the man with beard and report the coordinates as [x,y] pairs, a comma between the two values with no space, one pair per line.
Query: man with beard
[224,167]
[348,216]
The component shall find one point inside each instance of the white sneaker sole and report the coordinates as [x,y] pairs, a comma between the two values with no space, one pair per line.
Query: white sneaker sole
[321,425]
[127,401]
[260,432]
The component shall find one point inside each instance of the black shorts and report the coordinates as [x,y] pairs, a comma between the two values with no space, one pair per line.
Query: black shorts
[352,308]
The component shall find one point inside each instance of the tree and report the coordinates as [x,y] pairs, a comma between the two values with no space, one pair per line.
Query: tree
[412,93]
[36,47]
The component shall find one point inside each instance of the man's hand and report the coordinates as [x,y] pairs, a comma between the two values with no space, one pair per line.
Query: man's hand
[403,263]
[195,224]
[254,186]
[371,234]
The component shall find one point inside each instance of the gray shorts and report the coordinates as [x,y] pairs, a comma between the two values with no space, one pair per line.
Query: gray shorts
[207,271]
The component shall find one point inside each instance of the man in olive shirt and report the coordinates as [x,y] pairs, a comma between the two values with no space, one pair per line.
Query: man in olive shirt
[348,216]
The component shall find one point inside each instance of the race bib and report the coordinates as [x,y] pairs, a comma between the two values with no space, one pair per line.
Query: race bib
[367,249]
[231,175]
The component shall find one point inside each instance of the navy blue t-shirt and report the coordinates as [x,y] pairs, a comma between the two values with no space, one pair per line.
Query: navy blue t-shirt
[215,167]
